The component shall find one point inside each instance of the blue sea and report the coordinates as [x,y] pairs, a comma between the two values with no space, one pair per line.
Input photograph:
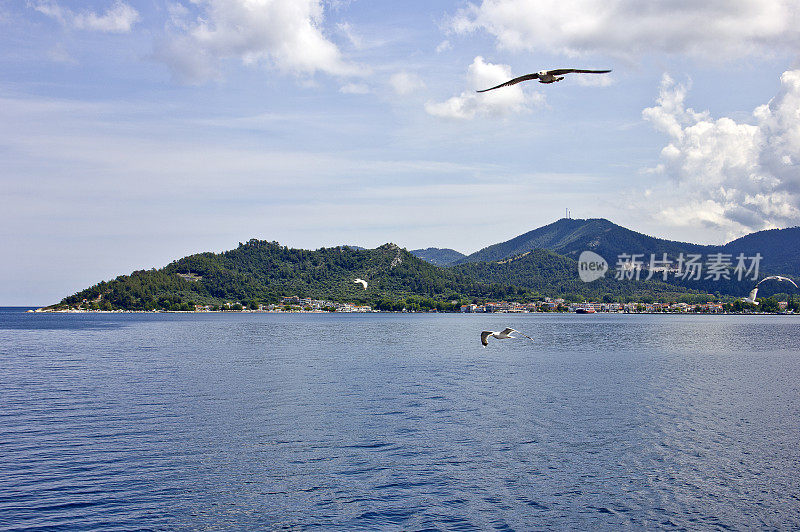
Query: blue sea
[398,422]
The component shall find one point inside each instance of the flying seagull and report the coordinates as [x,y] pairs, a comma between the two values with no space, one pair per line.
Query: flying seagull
[362,282]
[501,335]
[547,76]
[754,292]
[777,278]
[752,297]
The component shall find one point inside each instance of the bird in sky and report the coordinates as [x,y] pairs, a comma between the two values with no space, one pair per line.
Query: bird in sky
[547,76]
[362,282]
[500,335]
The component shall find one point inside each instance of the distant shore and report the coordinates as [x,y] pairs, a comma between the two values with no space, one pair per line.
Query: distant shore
[85,311]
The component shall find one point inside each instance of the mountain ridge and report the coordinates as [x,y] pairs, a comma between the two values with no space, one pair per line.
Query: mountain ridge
[571,236]
[779,248]
[262,271]
[438,256]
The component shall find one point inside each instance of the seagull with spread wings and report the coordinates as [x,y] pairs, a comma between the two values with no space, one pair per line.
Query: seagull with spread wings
[754,292]
[778,278]
[547,76]
[501,335]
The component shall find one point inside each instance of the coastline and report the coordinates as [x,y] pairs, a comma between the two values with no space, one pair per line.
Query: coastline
[375,311]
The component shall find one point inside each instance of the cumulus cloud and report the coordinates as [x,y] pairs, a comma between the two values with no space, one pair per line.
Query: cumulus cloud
[470,104]
[405,83]
[733,175]
[629,27]
[285,34]
[119,18]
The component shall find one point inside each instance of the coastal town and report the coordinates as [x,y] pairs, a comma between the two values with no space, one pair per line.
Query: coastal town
[298,304]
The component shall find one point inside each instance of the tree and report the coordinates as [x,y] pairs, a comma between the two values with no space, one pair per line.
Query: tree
[769,305]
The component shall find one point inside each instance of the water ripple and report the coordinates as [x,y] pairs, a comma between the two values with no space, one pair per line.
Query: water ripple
[127,422]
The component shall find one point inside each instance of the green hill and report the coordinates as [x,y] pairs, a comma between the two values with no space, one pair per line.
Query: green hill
[266,271]
[779,249]
[533,265]
[550,274]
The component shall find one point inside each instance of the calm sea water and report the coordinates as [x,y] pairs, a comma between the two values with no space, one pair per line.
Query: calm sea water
[391,421]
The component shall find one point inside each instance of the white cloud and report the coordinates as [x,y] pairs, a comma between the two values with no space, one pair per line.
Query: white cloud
[631,27]
[443,46]
[593,80]
[285,34]
[405,83]
[354,88]
[470,104]
[50,9]
[729,174]
[119,18]
[346,29]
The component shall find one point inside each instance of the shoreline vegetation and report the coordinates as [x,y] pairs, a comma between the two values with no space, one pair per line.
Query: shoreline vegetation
[75,311]
[295,304]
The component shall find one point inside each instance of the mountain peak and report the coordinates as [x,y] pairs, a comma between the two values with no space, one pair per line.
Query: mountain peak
[438,256]
[571,236]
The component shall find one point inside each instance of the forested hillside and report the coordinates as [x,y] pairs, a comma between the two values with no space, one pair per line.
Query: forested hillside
[779,250]
[261,271]
[538,264]
[779,247]
[547,273]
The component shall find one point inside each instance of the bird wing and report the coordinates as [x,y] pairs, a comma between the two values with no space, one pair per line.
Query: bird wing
[485,337]
[514,81]
[777,278]
[523,334]
[562,71]
[507,331]
[782,278]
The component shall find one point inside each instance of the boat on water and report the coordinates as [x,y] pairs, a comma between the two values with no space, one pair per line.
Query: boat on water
[585,310]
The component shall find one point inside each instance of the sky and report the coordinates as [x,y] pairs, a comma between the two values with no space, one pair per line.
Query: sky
[135,132]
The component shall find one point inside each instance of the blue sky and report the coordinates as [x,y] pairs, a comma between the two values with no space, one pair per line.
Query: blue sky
[135,132]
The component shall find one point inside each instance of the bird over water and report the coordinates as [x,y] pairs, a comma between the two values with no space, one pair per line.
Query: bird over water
[547,76]
[500,335]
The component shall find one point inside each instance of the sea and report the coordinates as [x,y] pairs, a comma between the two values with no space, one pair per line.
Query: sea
[257,421]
